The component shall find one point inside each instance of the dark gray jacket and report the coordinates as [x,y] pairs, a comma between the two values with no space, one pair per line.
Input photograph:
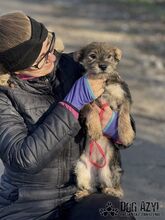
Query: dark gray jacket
[37,144]
[40,142]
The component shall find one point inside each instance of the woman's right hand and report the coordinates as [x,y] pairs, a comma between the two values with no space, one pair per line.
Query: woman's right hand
[85,90]
[96,85]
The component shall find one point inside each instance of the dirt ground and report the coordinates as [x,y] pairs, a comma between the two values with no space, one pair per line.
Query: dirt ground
[139,30]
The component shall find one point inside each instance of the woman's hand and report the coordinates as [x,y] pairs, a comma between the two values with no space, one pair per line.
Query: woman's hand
[96,85]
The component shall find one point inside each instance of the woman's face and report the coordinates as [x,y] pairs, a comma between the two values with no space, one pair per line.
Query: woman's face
[47,62]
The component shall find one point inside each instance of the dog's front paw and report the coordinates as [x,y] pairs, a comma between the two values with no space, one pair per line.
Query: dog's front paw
[95,133]
[126,137]
[94,126]
[125,130]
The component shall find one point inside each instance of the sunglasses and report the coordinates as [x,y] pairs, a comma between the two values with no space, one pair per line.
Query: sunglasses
[43,60]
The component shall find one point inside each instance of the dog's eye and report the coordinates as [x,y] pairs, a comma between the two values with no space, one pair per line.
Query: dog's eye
[92,56]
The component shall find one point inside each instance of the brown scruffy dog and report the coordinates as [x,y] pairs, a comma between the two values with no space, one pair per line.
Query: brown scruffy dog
[100,60]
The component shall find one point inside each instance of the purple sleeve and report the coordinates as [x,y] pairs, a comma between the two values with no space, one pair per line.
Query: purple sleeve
[110,129]
[80,94]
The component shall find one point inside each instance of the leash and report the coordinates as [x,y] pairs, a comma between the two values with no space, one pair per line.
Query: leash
[94,143]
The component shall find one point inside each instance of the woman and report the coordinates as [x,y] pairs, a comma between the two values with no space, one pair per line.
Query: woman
[41,94]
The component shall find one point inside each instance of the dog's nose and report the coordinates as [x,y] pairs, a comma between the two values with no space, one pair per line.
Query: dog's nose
[103,66]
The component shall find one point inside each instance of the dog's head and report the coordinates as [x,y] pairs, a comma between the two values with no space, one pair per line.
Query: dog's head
[99,58]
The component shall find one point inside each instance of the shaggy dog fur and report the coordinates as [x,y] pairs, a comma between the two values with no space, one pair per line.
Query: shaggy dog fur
[100,60]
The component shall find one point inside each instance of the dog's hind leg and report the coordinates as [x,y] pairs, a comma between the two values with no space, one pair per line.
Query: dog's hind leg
[85,179]
[110,181]
[105,179]
[116,180]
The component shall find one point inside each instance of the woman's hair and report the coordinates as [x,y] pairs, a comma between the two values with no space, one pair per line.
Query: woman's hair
[15,28]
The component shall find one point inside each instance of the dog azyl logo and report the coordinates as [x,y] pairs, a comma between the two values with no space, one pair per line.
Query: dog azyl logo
[109,210]
[144,208]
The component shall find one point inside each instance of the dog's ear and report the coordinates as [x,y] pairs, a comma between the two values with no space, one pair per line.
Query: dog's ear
[118,54]
[78,55]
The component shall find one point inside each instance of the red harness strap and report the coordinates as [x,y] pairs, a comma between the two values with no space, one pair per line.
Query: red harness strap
[94,143]
[104,106]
